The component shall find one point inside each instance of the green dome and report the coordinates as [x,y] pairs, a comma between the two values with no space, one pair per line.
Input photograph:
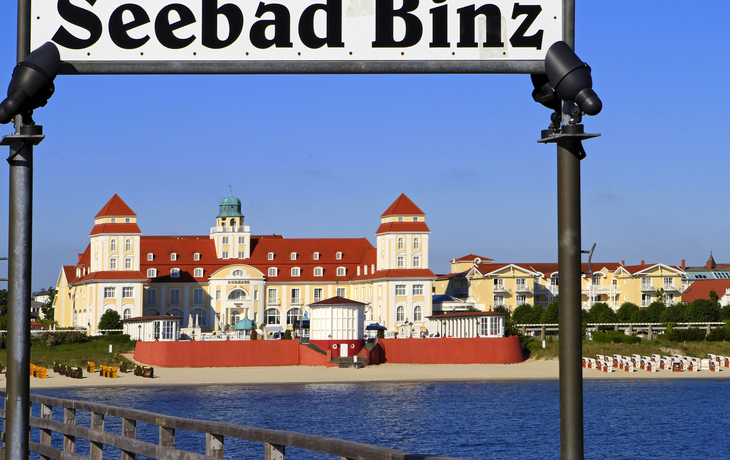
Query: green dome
[230,207]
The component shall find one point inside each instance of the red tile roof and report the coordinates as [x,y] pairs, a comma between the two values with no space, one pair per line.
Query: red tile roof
[467,313]
[633,269]
[701,289]
[402,227]
[117,229]
[470,258]
[116,207]
[402,273]
[403,206]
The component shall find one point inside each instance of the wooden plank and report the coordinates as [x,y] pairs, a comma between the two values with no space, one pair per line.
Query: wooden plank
[214,445]
[167,436]
[129,430]
[69,418]
[46,435]
[274,452]
[96,450]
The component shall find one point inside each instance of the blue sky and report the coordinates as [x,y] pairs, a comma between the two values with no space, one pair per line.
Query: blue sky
[325,155]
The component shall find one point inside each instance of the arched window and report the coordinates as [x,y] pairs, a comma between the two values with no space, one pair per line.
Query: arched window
[151,273]
[233,222]
[416,243]
[128,245]
[400,243]
[417,313]
[113,245]
[198,272]
[175,312]
[75,318]
[272,316]
[295,271]
[294,314]
[127,313]
[151,312]
[200,317]
[237,273]
[175,273]
[341,271]
[317,271]
[368,313]
[400,314]
[272,271]
[237,294]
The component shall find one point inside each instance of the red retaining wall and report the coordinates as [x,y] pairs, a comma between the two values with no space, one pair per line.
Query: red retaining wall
[227,353]
[238,353]
[502,350]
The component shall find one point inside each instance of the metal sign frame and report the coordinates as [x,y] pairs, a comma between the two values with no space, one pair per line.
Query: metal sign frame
[296,67]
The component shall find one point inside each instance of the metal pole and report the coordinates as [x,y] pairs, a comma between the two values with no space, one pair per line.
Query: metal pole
[19,290]
[569,316]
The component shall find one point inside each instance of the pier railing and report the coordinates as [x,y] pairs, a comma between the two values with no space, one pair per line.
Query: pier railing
[274,442]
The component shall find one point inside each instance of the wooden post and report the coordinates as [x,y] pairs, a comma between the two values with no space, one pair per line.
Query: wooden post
[69,442]
[167,436]
[96,449]
[129,430]
[274,452]
[46,435]
[214,445]
[542,333]
[649,333]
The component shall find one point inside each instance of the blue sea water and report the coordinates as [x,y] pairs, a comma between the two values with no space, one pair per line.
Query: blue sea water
[623,419]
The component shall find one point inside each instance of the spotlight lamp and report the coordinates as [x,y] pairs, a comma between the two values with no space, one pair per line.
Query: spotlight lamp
[32,82]
[566,78]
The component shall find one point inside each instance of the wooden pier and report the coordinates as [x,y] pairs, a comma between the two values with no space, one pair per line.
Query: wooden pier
[273,442]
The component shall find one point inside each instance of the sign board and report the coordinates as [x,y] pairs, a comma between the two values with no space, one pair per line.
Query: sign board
[298,36]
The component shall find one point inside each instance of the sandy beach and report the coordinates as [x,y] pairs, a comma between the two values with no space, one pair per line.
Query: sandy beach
[528,370]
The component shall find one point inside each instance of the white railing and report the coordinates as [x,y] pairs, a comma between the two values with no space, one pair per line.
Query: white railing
[648,287]
[670,287]
[234,229]
[501,288]
[272,301]
[523,288]
[296,301]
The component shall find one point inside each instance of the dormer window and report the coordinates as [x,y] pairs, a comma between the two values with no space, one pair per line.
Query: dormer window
[196,256]
[175,273]
[296,271]
[315,256]
[150,256]
[338,256]
[173,256]
[272,271]
[341,271]
[271,256]
[293,256]
[318,271]
[151,273]
[198,273]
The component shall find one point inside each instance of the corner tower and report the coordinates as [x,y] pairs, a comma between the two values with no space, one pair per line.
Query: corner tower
[115,238]
[402,238]
[232,238]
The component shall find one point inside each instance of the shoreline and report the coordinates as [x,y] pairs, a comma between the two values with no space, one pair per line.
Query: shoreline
[529,370]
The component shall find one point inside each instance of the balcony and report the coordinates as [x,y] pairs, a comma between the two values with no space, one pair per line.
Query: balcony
[523,288]
[501,288]
[554,289]
[671,287]
[273,301]
[460,291]
[648,287]
[503,303]
[235,229]
[296,301]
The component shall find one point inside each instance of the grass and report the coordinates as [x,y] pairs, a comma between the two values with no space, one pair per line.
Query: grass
[645,348]
[78,354]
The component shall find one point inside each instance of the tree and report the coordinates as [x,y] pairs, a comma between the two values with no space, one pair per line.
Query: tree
[674,313]
[714,297]
[110,320]
[47,308]
[701,310]
[526,314]
[626,312]
[550,314]
[600,312]
[654,312]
